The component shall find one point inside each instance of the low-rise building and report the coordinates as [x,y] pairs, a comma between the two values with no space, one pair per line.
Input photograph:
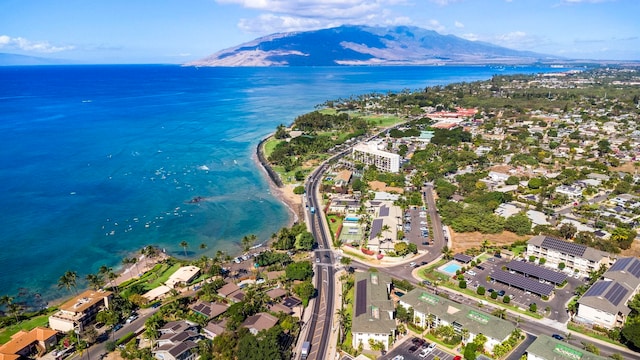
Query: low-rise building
[29,344]
[576,257]
[548,348]
[177,341]
[372,311]
[259,322]
[79,311]
[606,302]
[432,311]
[183,276]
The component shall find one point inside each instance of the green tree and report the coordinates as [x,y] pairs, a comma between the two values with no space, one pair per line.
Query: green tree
[470,351]
[480,290]
[95,281]
[305,291]
[518,223]
[299,190]
[302,270]
[447,253]
[631,333]
[184,246]
[304,241]
[68,281]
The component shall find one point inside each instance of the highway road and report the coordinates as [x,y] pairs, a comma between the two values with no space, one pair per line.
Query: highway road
[323,310]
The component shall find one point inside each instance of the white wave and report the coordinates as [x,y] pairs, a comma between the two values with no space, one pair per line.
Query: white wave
[203,168]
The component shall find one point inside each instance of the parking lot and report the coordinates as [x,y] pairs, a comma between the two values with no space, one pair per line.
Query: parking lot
[410,350]
[416,228]
[478,277]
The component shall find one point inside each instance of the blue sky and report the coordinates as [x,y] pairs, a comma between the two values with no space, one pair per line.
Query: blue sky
[176,31]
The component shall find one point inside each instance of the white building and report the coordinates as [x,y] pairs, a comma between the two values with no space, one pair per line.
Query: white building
[576,257]
[548,348]
[372,310]
[371,154]
[79,311]
[605,303]
[432,311]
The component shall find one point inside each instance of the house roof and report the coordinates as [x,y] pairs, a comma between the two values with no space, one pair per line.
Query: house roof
[22,339]
[216,328]
[620,283]
[228,289]
[272,275]
[260,321]
[183,275]
[579,250]
[182,347]
[372,306]
[545,347]
[276,293]
[209,309]
[470,318]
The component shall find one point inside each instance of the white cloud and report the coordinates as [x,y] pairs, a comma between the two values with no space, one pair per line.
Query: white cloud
[299,15]
[435,25]
[19,43]
[458,24]
[443,2]
[470,36]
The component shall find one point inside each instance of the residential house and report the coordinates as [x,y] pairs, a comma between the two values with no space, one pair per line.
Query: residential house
[606,302]
[214,329]
[177,341]
[259,322]
[79,311]
[29,344]
[372,311]
[182,276]
[576,257]
[209,309]
[431,311]
[232,292]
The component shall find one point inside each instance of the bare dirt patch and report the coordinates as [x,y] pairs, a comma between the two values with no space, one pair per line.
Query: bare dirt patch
[634,250]
[463,241]
[628,167]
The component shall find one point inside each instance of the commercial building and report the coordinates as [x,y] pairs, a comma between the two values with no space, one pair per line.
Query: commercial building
[372,310]
[432,311]
[605,303]
[79,311]
[370,154]
[575,257]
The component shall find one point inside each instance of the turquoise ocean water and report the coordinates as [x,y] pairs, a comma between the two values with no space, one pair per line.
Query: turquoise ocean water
[99,161]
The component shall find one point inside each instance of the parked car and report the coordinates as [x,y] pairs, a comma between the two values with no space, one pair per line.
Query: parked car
[501,293]
[426,282]
[479,267]
[430,347]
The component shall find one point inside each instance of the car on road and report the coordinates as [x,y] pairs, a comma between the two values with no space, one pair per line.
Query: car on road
[426,282]
[117,327]
[398,357]
[430,347]
[412,264]
[557,337]
[131,318]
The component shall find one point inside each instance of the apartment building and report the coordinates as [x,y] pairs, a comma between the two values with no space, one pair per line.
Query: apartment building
[80,311]
[371,154]
[577,258]
[372,310]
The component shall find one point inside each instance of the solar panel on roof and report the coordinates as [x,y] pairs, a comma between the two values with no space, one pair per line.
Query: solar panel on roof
[621,264]
[376,228]
[635,268]
[598,288]
[521,282]
[616,294]
[563,246]
[537,271]
[361,297]
[384,211]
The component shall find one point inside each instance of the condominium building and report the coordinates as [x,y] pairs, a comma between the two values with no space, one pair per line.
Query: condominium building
[371,154]
[577,258]
[606,302]
[547,348]
[372,310]
[80,311]
[430,310]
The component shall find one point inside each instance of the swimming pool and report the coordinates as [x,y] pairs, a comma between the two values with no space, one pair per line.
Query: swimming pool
[351,218]
[451,268]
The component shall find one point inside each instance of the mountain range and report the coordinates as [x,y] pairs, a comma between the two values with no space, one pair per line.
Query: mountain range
[364,45]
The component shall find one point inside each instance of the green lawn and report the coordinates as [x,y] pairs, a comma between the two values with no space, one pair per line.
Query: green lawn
[334,222]
[429,272]
[269,145]
[591,333]
[165,273]
[517,250]
[383,121]
[7,332]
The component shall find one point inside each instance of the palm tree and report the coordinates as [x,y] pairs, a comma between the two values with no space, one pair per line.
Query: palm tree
[95,281]
[501,313]
[203,246]
[112,276]
[465,335]
[342,319]
[447,253]
[15,309]
[68,280]
[485,245]
[184,245]
[6,300]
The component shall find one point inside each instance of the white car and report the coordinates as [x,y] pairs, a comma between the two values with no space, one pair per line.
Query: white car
[430,347]
[398,357]
[412,264]
[423,353]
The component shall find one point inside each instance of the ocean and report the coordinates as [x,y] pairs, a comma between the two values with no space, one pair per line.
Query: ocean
[99,161]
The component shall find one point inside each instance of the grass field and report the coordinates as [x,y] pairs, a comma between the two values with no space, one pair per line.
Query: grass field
[383,120]
[269,145]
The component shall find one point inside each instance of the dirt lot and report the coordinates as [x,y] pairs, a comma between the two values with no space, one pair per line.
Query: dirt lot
[464,241]
[634,250]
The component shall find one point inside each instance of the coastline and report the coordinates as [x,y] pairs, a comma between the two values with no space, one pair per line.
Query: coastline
[284,193]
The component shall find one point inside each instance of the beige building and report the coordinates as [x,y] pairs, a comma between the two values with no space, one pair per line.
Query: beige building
[79,311]
[576,257]
[30,344]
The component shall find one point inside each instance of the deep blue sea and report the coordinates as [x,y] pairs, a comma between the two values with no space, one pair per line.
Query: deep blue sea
[99,161]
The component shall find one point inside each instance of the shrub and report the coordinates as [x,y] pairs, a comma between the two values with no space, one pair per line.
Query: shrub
[533,307]
[494,295]
[481,290]
[462,284]
[561,266]
[542,261]
[125,339]
[506,299]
